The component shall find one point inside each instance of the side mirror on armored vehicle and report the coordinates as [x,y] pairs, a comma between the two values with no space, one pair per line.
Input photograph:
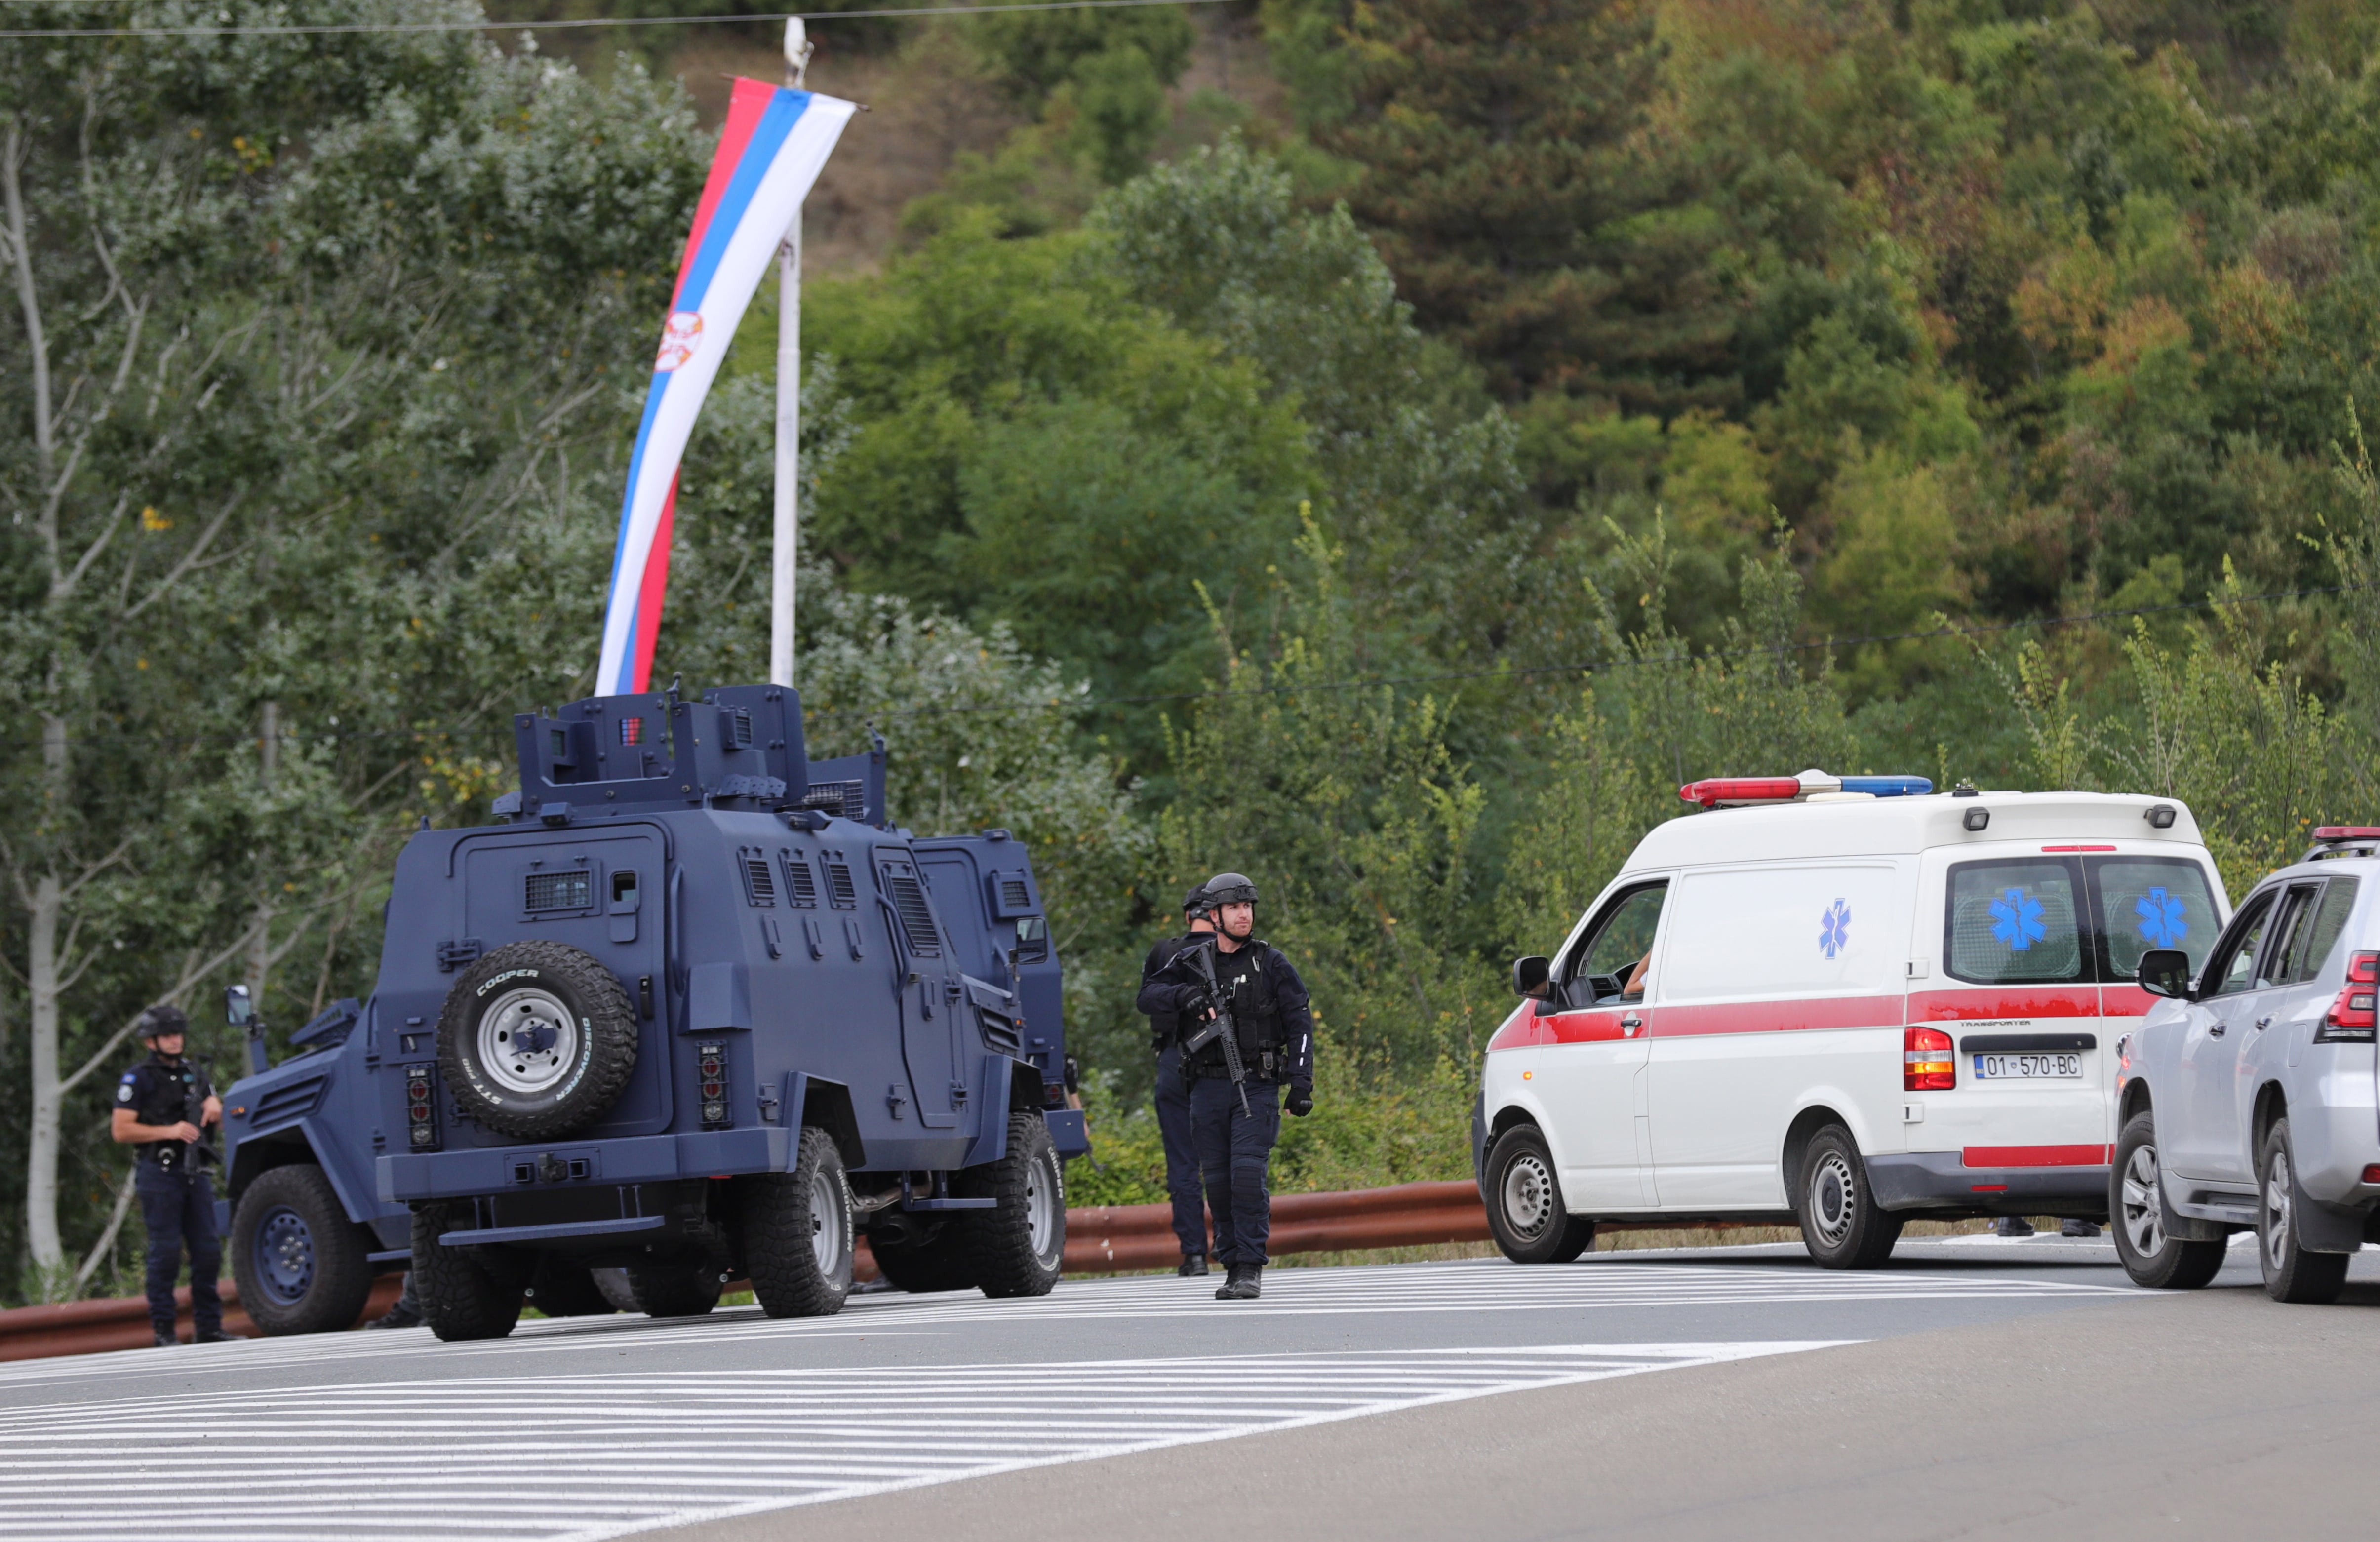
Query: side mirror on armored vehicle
[1032,939]
[1532,977]
[2166,972]
[238,1010]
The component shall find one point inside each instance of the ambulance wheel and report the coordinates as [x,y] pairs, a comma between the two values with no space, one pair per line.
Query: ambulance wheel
[1524,1202]
[2292,1271]
[537,1040]
[797,1238]
[462,1297]
[674,1290]
[566,1290]
[1017,1247]
[2152,1256]
[921,1267]
[1842,1224]
[299,1260]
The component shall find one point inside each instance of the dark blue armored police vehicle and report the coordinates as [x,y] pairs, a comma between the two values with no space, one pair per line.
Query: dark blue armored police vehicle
[692,1009]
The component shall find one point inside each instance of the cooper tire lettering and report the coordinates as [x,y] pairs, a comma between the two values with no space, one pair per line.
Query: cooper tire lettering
[538,1041]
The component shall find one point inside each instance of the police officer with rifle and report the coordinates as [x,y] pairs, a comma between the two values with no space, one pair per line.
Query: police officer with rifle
[1247,1032]
[1174,1093]
[163,1106]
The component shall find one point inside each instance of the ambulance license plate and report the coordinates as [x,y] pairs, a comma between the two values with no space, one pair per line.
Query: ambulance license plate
[2028,1067]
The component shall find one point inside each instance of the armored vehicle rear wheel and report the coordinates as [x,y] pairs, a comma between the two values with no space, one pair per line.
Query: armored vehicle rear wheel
[674,1290]
[537,1040]
[921,1267]
[797,1232]
[299,1261]
[1018,1246]
[463,1295]
[564,1290]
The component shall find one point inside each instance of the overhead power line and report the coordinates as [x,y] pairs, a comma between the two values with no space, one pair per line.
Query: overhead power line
[808,18]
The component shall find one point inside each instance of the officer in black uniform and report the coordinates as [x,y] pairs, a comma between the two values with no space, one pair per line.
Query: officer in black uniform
[162,1106]
[1174,1093]
[1276,1044]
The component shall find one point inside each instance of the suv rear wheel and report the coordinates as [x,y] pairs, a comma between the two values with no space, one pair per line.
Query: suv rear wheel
[461,1296]
[2292,1272]
[2152,1256]
[1018,1246]
[797,1232]
[1842,1224]
[1524,1202]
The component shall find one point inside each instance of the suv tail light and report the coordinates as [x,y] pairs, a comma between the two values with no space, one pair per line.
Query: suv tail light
[1928,1063]
[420,1112]
[2350,1019]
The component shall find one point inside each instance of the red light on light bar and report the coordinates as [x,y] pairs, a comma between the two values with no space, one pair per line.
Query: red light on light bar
[2348,832]
[1715,791]
[2078,848]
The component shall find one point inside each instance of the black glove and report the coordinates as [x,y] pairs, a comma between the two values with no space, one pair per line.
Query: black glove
[1301,1101]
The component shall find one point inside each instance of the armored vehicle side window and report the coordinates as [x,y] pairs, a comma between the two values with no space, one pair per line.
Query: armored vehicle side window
[2232,970]
[572,888]
[2318,940]
[1605,967]
[2156,902]
[2013,923]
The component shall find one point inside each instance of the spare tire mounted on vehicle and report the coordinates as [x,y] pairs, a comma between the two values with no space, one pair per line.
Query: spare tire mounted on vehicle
[537,1040]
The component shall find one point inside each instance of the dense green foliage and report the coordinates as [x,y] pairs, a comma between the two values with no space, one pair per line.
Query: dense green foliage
[1569,398]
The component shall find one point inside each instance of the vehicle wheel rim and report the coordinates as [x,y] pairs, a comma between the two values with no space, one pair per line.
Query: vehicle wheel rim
[827,1226]
[2276,1210]
[1832,1191]
[283,1253]
[1043,1227]
[2144,1217]
[528,1041]
[1528,1195]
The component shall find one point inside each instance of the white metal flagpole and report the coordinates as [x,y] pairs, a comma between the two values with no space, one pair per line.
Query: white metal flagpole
[786,549]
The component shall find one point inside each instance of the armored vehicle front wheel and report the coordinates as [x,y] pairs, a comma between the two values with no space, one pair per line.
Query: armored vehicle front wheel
[1018,1246]
[462,1296]
[299,1261]
[797,1238]
[674,1290]
[537,1040]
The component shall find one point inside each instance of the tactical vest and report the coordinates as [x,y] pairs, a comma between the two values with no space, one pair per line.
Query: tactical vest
[167,1094]
[1248,976]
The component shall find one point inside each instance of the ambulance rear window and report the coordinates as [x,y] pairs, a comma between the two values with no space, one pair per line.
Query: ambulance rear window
[2013,923]
[2156,902]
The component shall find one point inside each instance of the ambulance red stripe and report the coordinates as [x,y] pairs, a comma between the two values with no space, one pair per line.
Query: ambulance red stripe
[2003,1000]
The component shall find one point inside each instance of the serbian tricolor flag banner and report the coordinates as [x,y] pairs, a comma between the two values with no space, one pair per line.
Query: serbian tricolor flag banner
[775,142]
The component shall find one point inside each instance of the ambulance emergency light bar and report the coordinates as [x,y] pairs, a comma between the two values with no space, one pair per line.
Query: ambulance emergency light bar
[1733,792]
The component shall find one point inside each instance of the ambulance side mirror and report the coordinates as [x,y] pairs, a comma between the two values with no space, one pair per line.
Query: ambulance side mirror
[2166,972]
[1533,976]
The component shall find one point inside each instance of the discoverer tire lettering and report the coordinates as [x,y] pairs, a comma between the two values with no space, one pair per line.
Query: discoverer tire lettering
[571,1023]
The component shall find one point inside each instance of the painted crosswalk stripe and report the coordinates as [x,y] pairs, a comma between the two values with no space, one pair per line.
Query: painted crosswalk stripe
[578,1458]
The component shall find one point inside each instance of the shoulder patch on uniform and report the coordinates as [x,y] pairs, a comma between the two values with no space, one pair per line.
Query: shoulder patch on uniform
[124,1093]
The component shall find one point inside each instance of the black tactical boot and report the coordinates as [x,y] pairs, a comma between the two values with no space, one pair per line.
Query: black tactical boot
[2012,1226]
[1192,1264]
[214,1336]
[2074,1227]
[398,1315]
[1241,1284]
[165,1341]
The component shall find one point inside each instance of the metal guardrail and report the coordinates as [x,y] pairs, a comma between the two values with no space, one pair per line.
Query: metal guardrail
[1100,1239]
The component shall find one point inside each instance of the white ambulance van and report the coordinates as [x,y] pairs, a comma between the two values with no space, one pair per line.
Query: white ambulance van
[1838,1002]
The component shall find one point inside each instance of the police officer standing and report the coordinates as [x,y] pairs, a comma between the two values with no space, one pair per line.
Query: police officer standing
[1236,1124]
[162,1106]
[1174,1093]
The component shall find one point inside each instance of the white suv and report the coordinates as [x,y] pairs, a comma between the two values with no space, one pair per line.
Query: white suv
[2246,1097]
[1839,1003]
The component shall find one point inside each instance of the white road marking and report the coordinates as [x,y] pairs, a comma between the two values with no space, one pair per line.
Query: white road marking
[1484,1285]
[580,1458]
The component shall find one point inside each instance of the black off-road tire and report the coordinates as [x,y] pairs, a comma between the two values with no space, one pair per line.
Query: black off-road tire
[797,1235]
[674,1290]
[299,1261]
[1017,1247]
[1525,1212]
[921,1268]
[2292,1271]
[465,1293]
[583,1086]
[2152,1256]
[559,1289]
[1842,1224]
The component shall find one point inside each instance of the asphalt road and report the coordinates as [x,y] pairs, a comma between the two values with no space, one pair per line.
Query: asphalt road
[1975,1388]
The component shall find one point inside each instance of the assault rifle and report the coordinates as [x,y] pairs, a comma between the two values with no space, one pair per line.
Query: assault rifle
[1221,1027]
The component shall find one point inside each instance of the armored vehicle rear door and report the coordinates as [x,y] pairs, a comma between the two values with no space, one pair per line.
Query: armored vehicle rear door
[940,1068]
[599,889]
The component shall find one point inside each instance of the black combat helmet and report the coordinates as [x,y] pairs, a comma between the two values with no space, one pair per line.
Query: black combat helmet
[1228,889]
[163,1019]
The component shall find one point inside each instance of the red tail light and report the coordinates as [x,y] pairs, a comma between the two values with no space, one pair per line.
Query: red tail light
[1715,791]
[1928,1061]
[2352,1018]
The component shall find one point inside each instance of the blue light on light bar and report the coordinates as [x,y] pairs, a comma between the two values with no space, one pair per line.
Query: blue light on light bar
[1889,786]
